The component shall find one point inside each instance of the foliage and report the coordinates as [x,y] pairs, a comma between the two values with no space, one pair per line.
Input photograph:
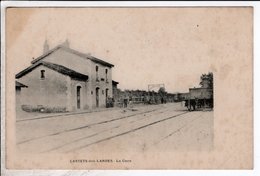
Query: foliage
[43,109]
[162,91]
[209,77]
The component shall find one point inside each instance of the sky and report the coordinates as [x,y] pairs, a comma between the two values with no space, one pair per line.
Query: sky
[171,46]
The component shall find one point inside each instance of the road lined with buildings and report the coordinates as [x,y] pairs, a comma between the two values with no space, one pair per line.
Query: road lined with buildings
[138,128]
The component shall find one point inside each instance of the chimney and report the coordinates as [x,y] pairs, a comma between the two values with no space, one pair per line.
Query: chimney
[66,43]
[46,47]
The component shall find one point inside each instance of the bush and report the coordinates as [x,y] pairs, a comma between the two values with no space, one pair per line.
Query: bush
[43,109]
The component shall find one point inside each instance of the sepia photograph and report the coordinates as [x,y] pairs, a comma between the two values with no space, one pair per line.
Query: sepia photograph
[129,88]
[75,105]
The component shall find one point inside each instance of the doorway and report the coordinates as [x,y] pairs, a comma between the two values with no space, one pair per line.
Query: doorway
[78,97]
[97,97]
[106,94]
[107,100]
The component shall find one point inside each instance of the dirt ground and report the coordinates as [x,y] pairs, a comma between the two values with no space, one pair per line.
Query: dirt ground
[165,127]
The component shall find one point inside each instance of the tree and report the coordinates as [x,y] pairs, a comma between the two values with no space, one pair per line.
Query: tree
[209,77]
[162,91]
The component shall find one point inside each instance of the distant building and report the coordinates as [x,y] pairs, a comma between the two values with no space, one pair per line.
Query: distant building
[184,96]
[115,90]
[201,97]
[65,78]
[201,93]
[18,88]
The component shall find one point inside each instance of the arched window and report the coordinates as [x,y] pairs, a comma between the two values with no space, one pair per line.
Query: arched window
[97,79]
[106,75]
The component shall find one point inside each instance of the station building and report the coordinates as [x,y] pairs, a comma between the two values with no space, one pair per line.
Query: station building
[65,79]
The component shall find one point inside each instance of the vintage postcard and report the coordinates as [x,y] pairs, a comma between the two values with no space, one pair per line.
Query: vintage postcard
[129,88]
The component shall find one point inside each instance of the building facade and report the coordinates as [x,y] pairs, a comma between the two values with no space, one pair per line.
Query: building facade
[63,79]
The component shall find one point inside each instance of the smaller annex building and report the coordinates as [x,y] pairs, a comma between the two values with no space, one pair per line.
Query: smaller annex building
[63,79]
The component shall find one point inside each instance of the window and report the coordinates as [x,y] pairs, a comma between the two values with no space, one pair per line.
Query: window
[106,75]
[97,73]
[78,97]
[42,74]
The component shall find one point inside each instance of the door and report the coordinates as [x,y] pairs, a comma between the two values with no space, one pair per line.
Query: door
[97,97]
[106,94]
[78,97]
[107,101]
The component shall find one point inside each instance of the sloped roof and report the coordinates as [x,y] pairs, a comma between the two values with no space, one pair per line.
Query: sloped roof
[115,82]
[83,55]
[18,84]
[59,68]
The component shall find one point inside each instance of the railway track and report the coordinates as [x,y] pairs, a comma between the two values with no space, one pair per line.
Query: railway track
[88,126]
[80,138]
[110,137]
[130,131]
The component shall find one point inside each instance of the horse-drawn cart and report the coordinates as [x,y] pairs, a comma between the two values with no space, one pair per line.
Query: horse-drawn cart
[199,98]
